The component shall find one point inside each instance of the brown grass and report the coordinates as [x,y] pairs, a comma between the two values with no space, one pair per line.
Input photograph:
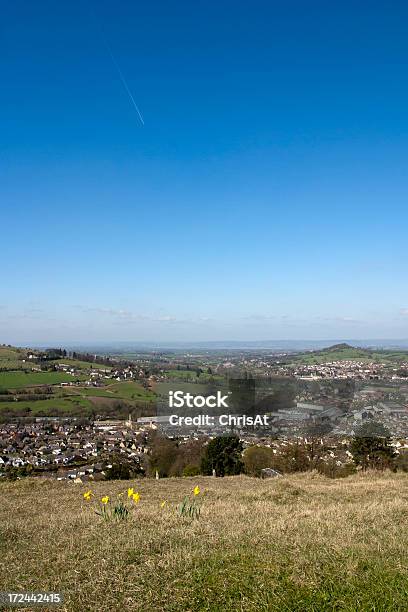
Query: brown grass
[296,543]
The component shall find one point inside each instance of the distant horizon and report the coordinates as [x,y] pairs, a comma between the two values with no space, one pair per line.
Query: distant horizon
[278,344]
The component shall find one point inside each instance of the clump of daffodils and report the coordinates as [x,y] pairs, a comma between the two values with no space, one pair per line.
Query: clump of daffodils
[117,510]
[120,508]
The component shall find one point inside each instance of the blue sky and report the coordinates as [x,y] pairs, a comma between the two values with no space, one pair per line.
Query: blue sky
[265,196]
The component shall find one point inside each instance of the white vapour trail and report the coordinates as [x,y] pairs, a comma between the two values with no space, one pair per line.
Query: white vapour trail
[115,63]
[124,83]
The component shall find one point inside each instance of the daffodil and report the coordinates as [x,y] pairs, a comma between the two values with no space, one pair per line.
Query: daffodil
[105,499]
[196,490]
[130,492]
[136,497]
[88,495]
[163,504]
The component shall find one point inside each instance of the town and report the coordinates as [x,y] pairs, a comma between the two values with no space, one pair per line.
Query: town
[74,415]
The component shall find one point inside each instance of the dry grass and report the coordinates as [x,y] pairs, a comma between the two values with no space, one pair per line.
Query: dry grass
[297,543]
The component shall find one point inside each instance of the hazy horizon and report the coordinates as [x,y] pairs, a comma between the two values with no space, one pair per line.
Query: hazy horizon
[274,345]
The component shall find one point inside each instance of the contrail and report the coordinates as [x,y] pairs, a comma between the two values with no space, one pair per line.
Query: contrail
[125,85]
[115,63]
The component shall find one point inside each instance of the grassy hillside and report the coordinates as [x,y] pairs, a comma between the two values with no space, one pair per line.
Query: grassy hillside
[341,352]
[301,543]
[17,380]
[10,352]
[131,390]
[11,357]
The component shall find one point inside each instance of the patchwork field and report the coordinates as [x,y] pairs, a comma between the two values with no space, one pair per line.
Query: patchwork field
[70,400]
[299,543]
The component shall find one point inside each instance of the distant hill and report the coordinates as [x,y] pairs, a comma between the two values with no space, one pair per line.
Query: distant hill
[337,347]
[344,351]
[336,352]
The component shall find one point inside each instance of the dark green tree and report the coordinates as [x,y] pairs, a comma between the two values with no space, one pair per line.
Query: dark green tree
[371,447]
[224,455]
[118,471]
[122,470]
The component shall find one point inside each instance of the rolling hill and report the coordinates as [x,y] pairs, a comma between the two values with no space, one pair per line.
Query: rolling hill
[343,351]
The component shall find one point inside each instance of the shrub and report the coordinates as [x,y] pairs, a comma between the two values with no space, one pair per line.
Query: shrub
[256,458]
[401,462]
[191,470]
[332,470]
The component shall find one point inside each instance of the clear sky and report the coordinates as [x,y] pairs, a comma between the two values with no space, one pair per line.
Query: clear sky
[265,196]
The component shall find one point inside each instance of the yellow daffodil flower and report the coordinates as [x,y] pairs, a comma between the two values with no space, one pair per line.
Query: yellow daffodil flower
[136,497]
[130,492]
[105,499]
[88,495]
[196,490]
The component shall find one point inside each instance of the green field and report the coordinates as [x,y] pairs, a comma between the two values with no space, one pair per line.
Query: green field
[131,390]
[48,407]
[14,380]
[126,390]
[191,375]
[183,374]
[320,358]
[392,356]
[88,391]
[300,543]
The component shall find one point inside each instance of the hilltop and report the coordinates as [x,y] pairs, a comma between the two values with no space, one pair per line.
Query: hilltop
[346,352]
[338,347]
[299,543]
